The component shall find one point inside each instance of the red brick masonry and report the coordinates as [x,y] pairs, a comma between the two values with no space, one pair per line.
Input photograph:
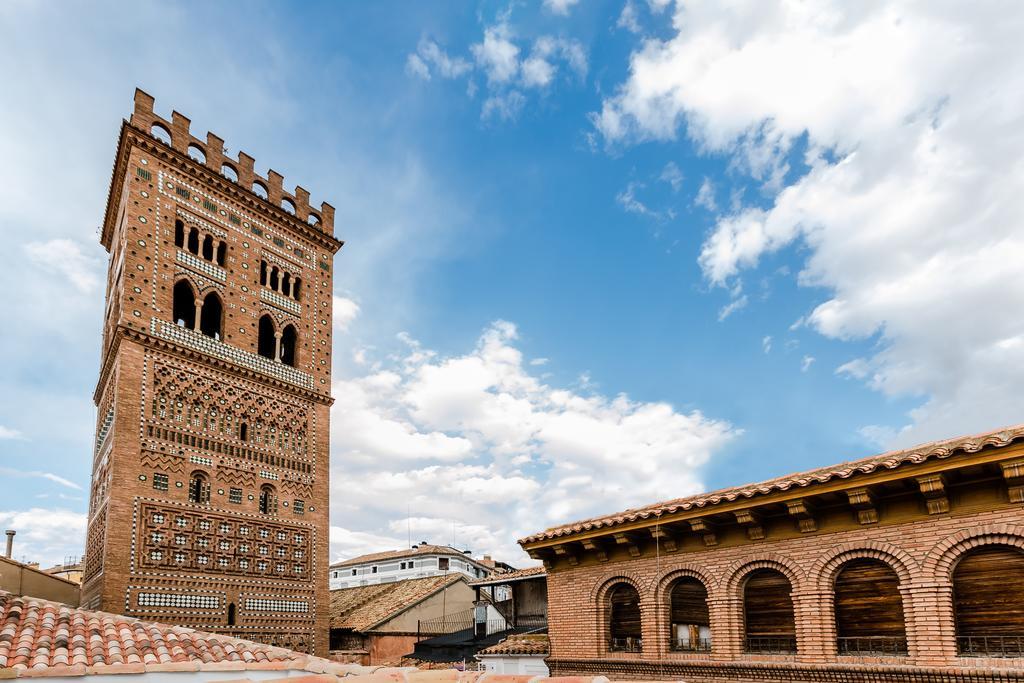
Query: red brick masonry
[919,529]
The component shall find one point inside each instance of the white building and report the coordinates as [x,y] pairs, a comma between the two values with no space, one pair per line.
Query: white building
[417,562]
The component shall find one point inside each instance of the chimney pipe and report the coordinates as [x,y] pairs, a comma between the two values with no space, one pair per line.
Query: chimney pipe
[10,543]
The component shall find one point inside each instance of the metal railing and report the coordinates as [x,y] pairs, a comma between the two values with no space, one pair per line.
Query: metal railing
[625,644]
[872,645]
[990,646]
[450,623]
[770,645]
[698,645]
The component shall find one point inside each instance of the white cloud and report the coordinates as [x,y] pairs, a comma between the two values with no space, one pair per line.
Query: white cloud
[539,361]
[672,175]
[909,210]
[560,6]
[345,311]
[8,433]
[503,106]
[732,307]
[36,474]
[65,257]
[429,54]
[478,441]
[706,196]
[45,536]
[766,343]
[658,6]
[497,55]
[806,363]
[628,18]
[415,66]
[508,72]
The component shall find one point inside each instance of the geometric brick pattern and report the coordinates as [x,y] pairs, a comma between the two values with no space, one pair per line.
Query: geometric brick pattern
[208,505]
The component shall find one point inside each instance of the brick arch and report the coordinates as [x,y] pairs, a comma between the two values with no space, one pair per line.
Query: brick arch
[599,603]
[939,564]
[739,570]
[600,590]
[191,279]
[661,583]
[824,571]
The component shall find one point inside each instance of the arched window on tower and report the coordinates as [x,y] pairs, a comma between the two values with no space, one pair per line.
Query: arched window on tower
[268,500]
[266,344]
[208,248]
[624,629]
[184,309]
[243,432]
[222,252]
[179,234]
[199,488]
[275,279]
[231,614]
[286,284]
[690,620]
[193,241]
[988,584]
[296,286]
[263,273]
[289,340]
[768,612]
[211,316]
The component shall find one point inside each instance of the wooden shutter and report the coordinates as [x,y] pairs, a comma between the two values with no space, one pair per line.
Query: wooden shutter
[988,592]
[768,605]
[625,612]
[690,602]
[868,601]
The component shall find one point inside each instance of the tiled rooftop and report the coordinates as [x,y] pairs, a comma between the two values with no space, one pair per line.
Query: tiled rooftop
[509,577]
[523,644]
[402,554]
[364,607]
[43,637]
[890,460]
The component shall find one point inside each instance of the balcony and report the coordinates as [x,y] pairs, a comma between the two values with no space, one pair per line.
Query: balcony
[990,646]
[872,646]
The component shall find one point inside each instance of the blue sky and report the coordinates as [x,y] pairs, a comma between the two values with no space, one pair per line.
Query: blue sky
[599,253]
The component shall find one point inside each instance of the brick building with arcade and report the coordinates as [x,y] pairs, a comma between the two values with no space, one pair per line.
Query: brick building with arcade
[209,496]
[907,566]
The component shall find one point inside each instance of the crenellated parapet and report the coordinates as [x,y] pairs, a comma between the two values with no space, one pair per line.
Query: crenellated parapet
[241,171]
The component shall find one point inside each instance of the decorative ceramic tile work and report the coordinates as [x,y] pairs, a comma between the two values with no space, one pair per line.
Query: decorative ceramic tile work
[273,605]
[104,428]
[272,297]
[182,600]
[202,266]
[219,349]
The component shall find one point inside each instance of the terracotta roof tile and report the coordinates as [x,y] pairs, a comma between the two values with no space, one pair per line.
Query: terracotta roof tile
[364,607]
[517,575]
[523,644]
[407,552]
[890,460]
[39,637]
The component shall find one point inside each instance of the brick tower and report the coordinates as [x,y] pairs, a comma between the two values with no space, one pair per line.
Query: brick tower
[209,498]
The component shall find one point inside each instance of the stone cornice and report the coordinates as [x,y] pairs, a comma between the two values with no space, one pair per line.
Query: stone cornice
[148,340]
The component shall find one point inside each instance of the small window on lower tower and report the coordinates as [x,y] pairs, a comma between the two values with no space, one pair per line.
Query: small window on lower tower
[160,481]
[199,488]
[235,495]
[299,506]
